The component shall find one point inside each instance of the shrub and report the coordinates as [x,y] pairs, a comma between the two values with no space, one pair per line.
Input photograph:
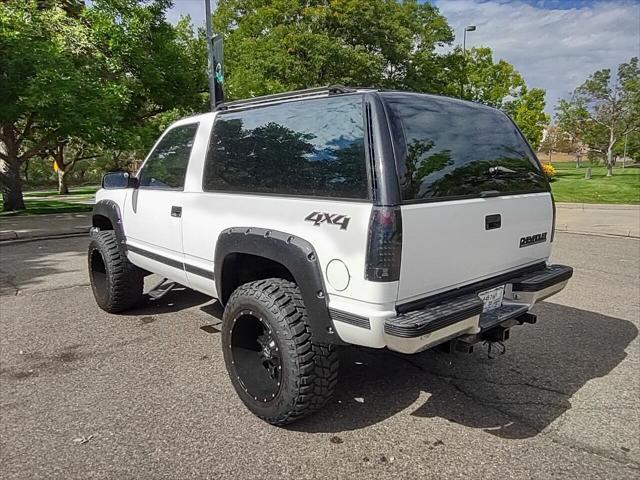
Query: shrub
[549,170]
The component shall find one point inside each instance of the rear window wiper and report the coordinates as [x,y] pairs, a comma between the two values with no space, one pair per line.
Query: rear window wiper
[500,169]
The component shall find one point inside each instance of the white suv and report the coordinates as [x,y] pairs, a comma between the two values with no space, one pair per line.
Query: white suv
[333,216]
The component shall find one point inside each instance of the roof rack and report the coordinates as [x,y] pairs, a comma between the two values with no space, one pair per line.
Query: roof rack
[309,92]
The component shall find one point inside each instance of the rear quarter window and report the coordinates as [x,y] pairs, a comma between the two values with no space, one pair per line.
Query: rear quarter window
[311,148]
[454,149]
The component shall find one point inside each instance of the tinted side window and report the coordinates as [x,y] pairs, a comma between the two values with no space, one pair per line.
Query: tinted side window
[167,164]
[310,147]
[458,149]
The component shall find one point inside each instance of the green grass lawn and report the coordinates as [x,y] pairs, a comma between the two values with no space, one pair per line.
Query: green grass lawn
[569,184]
[48,201]
[86,190]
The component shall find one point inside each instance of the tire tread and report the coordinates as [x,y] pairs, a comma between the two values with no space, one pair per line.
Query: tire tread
[317,363]
[125,280]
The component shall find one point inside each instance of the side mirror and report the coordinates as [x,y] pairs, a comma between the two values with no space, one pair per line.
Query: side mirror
[113,180]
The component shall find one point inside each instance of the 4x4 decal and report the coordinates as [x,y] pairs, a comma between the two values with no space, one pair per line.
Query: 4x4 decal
[331,218]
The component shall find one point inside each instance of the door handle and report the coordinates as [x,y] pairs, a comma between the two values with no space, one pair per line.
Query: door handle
[176,211]
[492,222]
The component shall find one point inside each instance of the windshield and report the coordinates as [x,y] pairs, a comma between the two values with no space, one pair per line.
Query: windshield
[452,149]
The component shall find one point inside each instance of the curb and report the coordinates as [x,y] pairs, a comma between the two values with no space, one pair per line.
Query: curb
[600,234]
[597,206]
[11,236]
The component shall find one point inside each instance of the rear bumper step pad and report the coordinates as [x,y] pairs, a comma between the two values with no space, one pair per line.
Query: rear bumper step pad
[541,279]
[496,317]
[437,316]
[441,314]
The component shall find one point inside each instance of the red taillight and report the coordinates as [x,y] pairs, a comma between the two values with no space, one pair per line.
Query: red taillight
[384,245]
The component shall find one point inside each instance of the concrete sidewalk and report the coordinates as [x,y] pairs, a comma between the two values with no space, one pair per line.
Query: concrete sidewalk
[618,220]
[43,226]
[595,219]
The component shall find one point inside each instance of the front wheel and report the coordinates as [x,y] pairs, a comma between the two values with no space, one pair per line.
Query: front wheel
[116,283]
[278,372]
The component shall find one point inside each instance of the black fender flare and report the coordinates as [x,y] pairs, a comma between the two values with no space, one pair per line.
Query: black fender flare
[297,255]
[110,210]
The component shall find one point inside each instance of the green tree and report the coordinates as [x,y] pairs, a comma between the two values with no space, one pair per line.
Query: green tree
[603,109]
[79,81]
[50,88]
[526,108]
[500,85]
[483,80]
[160,67]
[272,47]
[632,149]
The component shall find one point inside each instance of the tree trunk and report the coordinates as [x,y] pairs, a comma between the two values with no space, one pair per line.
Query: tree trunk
[11,185]
[612,141]
[58,157]
[10,181]
[63,187]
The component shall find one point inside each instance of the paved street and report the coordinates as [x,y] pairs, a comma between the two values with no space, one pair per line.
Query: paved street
[622,220]
[84,394]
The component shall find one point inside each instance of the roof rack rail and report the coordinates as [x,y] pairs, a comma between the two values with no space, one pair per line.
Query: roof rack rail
[308,92]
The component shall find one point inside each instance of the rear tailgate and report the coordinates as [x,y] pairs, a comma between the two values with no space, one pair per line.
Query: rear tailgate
[449,244]
[475,202]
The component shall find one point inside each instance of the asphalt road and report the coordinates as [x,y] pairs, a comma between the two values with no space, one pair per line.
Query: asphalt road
[150,394]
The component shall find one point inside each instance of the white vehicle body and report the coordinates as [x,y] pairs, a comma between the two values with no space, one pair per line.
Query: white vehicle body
[447,245]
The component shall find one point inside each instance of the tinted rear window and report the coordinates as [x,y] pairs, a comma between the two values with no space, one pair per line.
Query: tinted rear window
[308,148]
[451,149]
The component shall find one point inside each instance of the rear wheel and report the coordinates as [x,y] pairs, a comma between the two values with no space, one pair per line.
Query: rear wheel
[278,372]
[116,283]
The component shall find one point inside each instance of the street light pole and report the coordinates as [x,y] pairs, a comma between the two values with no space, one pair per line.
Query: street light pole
[468,28]
[210,65]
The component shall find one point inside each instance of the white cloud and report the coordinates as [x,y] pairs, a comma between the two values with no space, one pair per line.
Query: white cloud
[555,49]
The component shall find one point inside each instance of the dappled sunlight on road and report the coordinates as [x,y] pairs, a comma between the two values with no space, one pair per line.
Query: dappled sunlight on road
[45,265]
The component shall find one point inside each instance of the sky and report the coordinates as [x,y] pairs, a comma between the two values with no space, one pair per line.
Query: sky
[554,44]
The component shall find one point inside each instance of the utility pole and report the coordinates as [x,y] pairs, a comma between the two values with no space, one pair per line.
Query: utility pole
[211,66]
[468,28]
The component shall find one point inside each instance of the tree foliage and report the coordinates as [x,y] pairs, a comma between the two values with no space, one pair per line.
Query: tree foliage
[500,85]
[77,79]
[604,109]
[276,46]
[50,86]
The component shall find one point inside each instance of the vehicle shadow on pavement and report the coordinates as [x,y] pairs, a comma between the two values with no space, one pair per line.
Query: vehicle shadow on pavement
[513,396]
[178,299]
